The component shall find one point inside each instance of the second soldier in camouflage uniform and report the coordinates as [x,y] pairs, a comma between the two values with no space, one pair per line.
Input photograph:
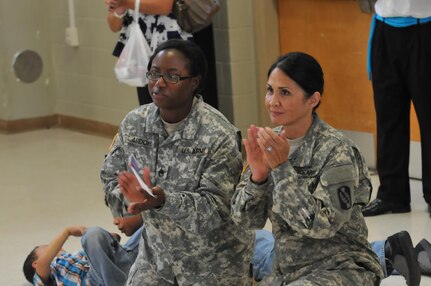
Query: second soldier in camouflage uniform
[192,151]
[311,186]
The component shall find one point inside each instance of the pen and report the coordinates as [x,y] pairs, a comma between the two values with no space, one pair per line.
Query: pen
[306,218]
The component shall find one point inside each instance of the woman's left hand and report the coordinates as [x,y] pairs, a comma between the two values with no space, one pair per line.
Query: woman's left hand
[274,146]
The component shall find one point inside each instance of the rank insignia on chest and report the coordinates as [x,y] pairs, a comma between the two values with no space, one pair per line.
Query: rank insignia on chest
[345,197]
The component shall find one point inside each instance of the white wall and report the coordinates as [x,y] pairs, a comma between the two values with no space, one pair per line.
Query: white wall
[85,83]
[77,81]
[22,27]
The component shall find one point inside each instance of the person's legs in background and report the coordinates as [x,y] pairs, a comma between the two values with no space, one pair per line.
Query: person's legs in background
[420,88]
[205,40]
[143,95]
[392,103]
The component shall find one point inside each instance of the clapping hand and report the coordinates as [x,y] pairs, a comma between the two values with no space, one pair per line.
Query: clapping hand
[255,156]
[138,198]
[274,146]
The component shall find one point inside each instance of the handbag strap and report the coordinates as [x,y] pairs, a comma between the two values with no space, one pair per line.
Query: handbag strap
[136,12]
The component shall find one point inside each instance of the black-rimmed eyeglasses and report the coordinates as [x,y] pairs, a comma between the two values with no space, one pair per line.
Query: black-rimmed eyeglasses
[170,78]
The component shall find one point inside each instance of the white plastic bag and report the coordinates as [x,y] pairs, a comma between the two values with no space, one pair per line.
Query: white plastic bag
[132,64]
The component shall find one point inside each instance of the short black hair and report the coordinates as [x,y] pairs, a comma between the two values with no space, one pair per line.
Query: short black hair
[197,61]
[303,69]
[28,269]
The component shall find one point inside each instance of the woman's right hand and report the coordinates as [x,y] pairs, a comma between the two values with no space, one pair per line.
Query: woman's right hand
[255,157]
[113,4]
[138,198]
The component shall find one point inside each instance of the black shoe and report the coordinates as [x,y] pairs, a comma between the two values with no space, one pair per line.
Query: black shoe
[378,207]
[423,251]
[401,256]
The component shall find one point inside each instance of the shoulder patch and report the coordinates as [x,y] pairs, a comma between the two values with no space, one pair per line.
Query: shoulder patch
[345,197]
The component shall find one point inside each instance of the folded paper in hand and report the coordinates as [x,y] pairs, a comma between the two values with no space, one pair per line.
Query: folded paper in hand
[134,165]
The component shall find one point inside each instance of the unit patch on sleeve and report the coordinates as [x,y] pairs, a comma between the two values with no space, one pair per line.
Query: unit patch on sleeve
[345,197]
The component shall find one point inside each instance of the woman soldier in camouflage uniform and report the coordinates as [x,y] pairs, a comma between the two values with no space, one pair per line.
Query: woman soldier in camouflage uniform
[310,181]
[192,152]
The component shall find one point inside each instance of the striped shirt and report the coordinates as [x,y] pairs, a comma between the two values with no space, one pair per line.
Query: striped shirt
[67,270]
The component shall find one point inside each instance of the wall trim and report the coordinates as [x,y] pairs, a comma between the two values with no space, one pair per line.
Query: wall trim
[88,126]
[28,124]
[58,120]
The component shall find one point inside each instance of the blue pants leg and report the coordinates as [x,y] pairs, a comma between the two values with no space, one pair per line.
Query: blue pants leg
[110,262]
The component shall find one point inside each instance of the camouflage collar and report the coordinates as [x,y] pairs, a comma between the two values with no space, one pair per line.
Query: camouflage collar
[188,128]
[303,155]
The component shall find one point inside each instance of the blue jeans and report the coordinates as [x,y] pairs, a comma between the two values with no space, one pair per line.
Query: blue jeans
[379,248]
[264,254]
[110,262]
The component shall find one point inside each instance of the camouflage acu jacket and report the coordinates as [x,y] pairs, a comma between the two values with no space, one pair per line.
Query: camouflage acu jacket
[314,203]
[192,238]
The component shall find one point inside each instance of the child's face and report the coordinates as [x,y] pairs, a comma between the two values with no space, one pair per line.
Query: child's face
[39,252]
[128,225]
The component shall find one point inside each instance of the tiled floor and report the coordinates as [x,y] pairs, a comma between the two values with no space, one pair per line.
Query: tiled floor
[50,179]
